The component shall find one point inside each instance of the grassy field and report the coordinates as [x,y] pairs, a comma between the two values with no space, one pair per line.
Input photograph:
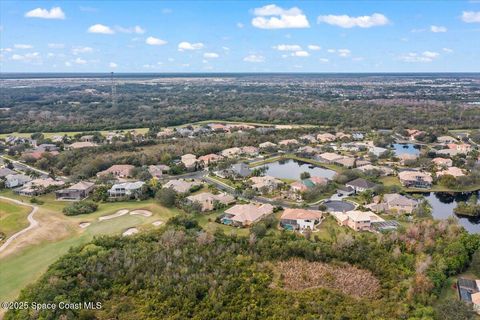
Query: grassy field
[67,133]
[13,218]
[27,263]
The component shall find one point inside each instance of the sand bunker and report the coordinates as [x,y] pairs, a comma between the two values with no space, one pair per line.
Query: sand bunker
[157,223]
[119,213]
[144,213]
[130,231]
[83,225]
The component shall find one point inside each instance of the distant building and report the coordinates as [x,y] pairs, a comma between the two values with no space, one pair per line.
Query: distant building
[118,171]
[469,292]
[78,191]
[415,179]
[243,215]
[16,180]
[207,200]
[181,185]
[300,219]
[360,185]
[394,203]
[126,189]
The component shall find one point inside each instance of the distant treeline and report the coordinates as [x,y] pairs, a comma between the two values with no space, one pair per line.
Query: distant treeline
[349,105]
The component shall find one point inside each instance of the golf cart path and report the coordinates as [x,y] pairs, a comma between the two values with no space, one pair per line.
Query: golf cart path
[31,220]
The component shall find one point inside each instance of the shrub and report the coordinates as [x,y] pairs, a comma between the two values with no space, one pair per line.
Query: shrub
[81,207]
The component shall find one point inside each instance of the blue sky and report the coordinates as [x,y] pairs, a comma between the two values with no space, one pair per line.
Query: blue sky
[240,36]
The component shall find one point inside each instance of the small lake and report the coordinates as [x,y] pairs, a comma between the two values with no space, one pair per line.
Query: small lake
[409,148]
[443,204]
[291,169]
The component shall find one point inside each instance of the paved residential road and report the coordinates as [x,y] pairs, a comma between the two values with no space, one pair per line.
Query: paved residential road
[31,219]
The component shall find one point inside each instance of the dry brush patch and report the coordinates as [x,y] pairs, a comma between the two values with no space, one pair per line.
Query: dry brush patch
[300,274]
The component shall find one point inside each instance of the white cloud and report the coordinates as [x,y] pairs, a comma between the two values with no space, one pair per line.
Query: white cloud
[287,47]
[331,50]
[135,29]
[447,50]
[56,45]
[6,49]
[112,65]
[274,17]
[210,55]
[471,16]
[254,58]
[240,25]
[345,21]
[323,60]
[184,45]
[300,53]
[344,52]
[100,28]
[155,41]
[68,64]
[80,61]
[167,11]
[28,57]
[314,47]
[426,56]
[54,13]
[78,50]
[22,46]
[438,29]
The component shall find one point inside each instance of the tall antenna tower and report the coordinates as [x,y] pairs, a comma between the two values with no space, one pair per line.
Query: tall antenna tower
[114,91]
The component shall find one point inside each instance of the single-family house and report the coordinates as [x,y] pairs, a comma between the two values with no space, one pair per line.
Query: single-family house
[250,150]
[244,215]
[80,145]
[157,171]
[267,145]
[463,148]
[394,203]
[305,184]
[415,179]
[16,180]
[231,152]
[360,185]
[469,292]
[326,137]
[38,186]
[452,171]
[288,142]
[377,151]
[208,200]
[384,171]
[357,220]
[442,162]
[446,140]
[308,138]
[239,170]
[181,185]
[208,159]
[328,157]
[265,183]
[189,161]
[5,172]
[405,158]
[125,189]
[78,191]
[117,171]
[300,219]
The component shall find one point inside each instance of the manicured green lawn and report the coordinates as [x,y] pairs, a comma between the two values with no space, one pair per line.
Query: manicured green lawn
[13,217]
[27,265]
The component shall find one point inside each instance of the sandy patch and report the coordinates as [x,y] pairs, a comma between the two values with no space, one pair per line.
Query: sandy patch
[157,223]
[144,213]
[117,214]
[83,225]
[130,231]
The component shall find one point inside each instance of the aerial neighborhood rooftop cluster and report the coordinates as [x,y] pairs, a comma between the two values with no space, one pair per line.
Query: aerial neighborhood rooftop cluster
[364,180]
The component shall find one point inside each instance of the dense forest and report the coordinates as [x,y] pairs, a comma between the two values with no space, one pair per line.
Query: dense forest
[183,272]
[376,102]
